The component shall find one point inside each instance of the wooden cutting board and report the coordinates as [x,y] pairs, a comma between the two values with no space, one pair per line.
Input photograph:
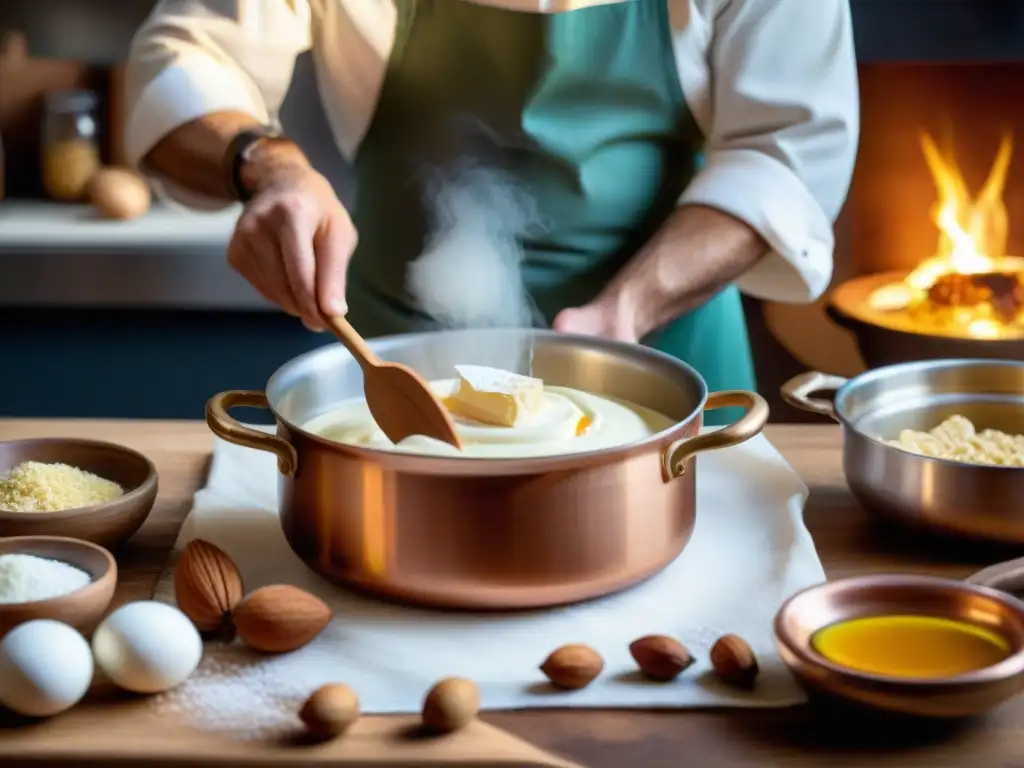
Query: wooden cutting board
[110,725]
[104,730]
[113,726]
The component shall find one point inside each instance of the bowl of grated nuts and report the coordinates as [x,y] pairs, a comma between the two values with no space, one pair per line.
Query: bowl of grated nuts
[86,489]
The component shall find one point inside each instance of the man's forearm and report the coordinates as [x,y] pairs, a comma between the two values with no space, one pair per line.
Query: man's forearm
[695,254]
[192,155]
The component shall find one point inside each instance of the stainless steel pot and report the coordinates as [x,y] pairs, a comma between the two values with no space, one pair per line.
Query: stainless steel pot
[489,533]
[977,501]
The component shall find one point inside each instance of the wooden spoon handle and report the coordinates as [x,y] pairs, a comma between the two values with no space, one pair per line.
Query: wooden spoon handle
[355,343]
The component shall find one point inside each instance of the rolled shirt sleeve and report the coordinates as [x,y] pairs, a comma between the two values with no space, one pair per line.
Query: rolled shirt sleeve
[784,126]
[193,58]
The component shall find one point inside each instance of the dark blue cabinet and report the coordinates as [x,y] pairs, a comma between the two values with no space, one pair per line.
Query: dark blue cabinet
[138,363]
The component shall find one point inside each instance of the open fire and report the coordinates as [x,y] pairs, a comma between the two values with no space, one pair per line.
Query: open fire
[970,287]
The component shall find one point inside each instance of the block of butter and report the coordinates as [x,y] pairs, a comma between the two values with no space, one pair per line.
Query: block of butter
[494,396]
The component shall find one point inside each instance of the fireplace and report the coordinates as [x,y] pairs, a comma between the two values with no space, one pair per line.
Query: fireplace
[935,265]
[970,289]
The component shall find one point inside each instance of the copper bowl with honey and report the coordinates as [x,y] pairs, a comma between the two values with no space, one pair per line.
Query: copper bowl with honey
[902,644]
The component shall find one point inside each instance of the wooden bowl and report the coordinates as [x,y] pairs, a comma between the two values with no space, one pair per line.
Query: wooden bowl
[109,524]
[952,697]
[82,609]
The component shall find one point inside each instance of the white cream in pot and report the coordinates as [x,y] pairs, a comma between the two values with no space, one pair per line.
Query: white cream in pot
[568,421]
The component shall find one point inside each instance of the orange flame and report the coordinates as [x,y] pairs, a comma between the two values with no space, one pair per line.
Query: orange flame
[972,232]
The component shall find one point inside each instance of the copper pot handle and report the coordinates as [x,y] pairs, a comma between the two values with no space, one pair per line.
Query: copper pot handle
[750,424]
[226,427]
[798,390]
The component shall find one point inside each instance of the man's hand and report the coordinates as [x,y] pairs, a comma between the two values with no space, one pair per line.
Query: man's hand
[294,240]
[603,317]
[696,253]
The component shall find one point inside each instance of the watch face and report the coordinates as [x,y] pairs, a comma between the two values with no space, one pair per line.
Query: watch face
[240,152]
[265,134]
[246,154]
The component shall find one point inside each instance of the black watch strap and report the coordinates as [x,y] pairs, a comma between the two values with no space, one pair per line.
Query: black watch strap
[237,155]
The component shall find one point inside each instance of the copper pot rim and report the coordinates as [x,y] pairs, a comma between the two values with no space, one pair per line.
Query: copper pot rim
[1011,666]
[414,463]
[147,486]
[676,446]
[479,467]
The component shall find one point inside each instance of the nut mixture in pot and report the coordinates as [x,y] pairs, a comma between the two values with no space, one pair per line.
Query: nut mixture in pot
[956,439]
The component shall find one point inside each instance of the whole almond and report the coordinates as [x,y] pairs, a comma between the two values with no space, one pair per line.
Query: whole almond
[660,657]
[450,705]
[573,666]
[734,661]
[330,710]
[280,618]
[207,585]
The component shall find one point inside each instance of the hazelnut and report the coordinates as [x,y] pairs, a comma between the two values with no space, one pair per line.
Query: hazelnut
[573,666]
[330,710]
[450,705]
[660,657]
[734,662]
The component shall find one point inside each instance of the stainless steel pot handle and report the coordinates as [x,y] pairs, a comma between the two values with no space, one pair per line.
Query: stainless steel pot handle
[678,455]
[1006,577]
[798,390]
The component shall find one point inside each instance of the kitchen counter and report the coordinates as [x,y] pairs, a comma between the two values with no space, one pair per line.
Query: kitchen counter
[58,255]
[848,542]
[27,225]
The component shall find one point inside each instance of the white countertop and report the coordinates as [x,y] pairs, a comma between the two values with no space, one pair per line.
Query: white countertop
[34,225]
[57,255]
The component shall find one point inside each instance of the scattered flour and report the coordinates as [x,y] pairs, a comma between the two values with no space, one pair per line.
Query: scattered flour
[248,695]
[240,694]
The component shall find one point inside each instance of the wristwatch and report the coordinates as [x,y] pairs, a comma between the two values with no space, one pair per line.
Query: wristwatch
[239,152]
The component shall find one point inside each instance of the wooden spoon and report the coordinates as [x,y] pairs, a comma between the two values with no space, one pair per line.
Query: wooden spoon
[400,401]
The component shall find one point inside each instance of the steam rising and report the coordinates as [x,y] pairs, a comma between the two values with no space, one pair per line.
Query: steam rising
[470,272]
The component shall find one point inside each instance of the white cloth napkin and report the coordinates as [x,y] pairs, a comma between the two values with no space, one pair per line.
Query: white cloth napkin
[749,552]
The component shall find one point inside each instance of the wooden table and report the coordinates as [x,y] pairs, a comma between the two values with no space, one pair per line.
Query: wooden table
[847,540]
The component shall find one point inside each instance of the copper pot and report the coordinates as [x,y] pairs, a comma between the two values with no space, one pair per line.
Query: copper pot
[489,533]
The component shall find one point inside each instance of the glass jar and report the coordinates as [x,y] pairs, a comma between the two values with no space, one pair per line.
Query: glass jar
[70,146]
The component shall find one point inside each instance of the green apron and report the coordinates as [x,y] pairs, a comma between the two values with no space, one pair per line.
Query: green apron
[584,111]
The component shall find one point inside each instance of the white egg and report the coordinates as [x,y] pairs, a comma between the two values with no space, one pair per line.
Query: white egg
[147,647]
[45,667]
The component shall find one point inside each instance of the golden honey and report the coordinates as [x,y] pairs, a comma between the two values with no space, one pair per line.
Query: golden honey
[910,646]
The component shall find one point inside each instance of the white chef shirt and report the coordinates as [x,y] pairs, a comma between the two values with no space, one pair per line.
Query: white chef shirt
[772,84]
